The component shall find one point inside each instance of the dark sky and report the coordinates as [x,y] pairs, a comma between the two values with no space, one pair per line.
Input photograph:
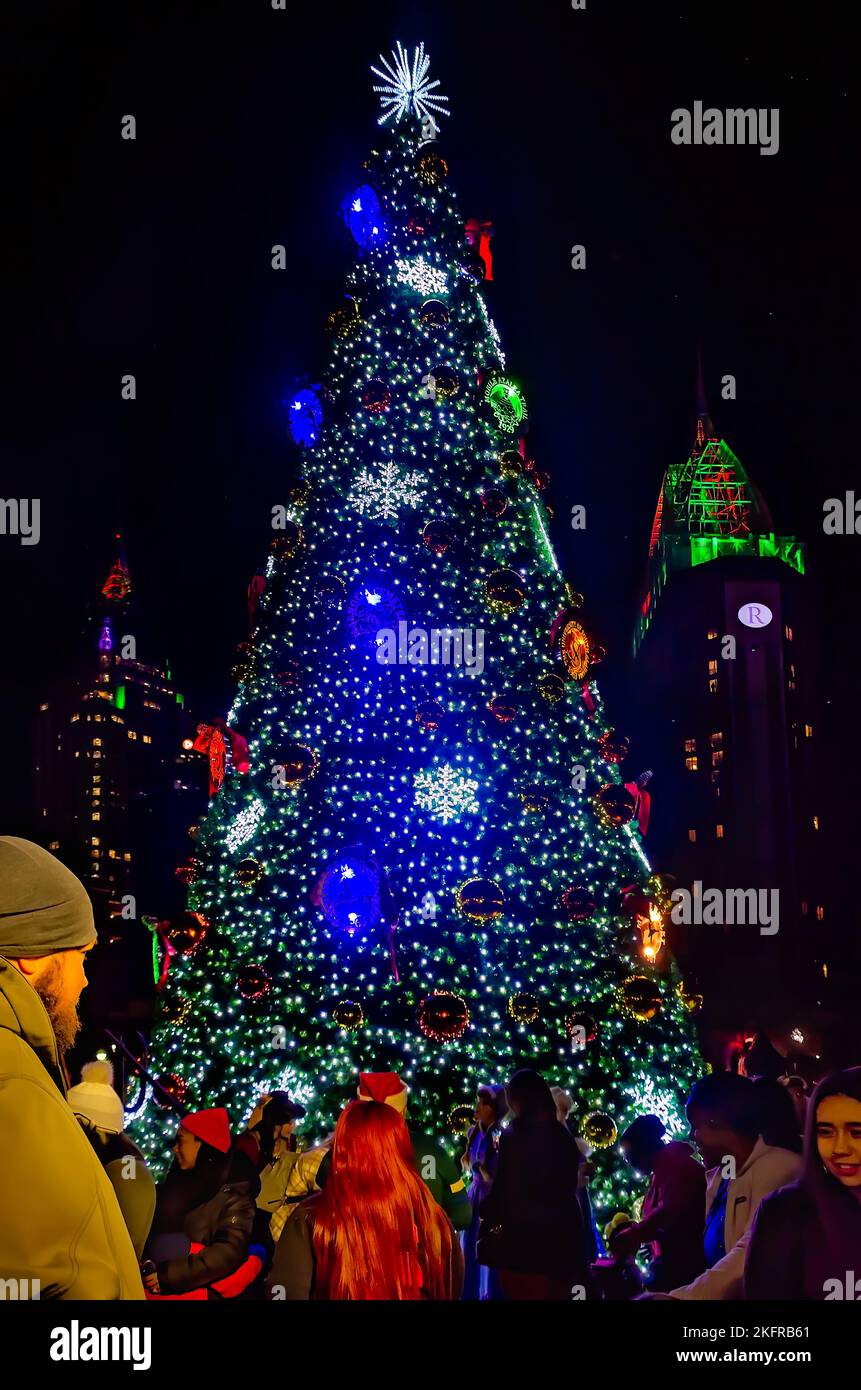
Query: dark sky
[153,257]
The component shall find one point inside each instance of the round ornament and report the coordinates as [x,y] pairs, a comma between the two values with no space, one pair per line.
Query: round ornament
[511,463]
[189,870]
[298,763]
[376,397]
[431,168]
[494,503]
[169,1091]
[480,899]
[370,609]
[433,314]
[524,1008]
[641,997]
[330,592]
[247,872]
[535,799]
[615,804]
[599,1130]
[507,403]
[575,650]
[472,268]
[461,1119]
[289,677]
[253,982]
[446,382]
[613,747]
[345,320]
[288,542]
[578,903]
[349,892]
[300,492]
[305,416]
[443,1016]
[581,1028]
[503,709]
[430,715]
[187,932]
[551,687]
[348,1015]
[504,591]
[363,217]
[438,537]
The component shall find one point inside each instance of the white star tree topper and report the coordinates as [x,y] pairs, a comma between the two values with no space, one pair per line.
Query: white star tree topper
[406,89]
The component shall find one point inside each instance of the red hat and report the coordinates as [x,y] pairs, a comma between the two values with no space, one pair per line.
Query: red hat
[385,1087]
[212,1126]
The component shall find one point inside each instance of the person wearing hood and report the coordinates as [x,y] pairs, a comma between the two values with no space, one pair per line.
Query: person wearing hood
[199,1242]
[672,1214]
[480,1160]
[806,1239]
[61,1225]
[99,1111]
[741,1170]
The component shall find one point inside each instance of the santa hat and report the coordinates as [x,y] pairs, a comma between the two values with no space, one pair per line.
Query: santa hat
[212,1126]
[95,1098]
[385,1087]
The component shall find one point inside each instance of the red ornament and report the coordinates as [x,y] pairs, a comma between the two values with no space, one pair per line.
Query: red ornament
[430,715]
[616,806]
[376,397]
[438,536]
[503,709]
[613,746]
[290,676]
[253,982]
[581,1028]
[443,1016]
[169,1088]
[187,932]
[494,503]
[578,904]
[189,870]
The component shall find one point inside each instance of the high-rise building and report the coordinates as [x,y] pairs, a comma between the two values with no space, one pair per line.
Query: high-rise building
[726,701]
[116,784]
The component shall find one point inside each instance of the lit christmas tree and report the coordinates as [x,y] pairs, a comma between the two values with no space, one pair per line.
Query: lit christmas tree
[431,863]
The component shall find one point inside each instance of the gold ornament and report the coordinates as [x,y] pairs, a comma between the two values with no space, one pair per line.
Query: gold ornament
[504,591]
[575,650]
[551,687]
[480,899]
[641,997]
[524,1008]
[348,1015]
[599,1130]
[461,1119]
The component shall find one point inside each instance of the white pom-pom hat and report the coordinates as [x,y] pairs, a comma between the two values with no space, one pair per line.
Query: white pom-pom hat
[95,1098]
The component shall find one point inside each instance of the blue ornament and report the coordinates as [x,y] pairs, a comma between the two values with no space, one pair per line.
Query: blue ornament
[350,893]
[305,415]
[363,217]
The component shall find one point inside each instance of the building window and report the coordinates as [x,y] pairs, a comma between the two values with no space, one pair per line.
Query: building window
[132,733]
[127,857]
[719,831]
[147,738]
[712,634]
[96,754]
[690,745]
[45,706]
[788,633]
[151,704]
[97,815]
[713,685]
[791,685]
[815,822]
[820,914]
[716,739]
[97,743]
[804,909]
[74,719]
[713,668]
[808,731]
[717,756]
[692,836]
[691,764]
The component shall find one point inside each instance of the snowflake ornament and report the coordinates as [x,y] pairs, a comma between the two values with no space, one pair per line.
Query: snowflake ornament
[445,793]
[421,277]
[244,825]
[406,89]
[383,494]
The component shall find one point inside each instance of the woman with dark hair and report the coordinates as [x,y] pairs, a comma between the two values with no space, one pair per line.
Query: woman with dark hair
[806,1240]
[531,1223]
[198,1245]
[480,1160]
[373,1232]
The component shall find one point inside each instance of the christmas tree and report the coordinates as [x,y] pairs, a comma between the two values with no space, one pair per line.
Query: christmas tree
[421,854]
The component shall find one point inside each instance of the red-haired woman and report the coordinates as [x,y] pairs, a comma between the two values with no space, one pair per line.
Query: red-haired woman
[374,1232]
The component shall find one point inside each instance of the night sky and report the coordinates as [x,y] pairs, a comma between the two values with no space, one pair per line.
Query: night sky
[153,257]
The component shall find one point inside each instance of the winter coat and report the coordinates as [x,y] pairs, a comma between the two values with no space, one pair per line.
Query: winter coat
[765,1170]
[789,1256]
[222,1228]
[531,1223]
[60,1222]
[130,1178]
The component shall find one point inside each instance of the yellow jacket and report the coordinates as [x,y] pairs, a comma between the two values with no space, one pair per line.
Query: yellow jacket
[60,1222]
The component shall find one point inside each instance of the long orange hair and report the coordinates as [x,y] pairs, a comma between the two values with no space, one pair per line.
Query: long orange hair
[378,1233]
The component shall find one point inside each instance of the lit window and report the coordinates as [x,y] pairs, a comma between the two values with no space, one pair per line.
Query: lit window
[45,706]
[127,857]
[97,777]
[151,704]
[712,634]
[716,739]
[804,909]
[94,854]
[712,668]
[820,913]
[97,815]
[97,743]
[791,685]
[719,831]
[713,685]
[74,719]
[692,836]
[97,718]
[132,733]
[788,633]
[717,756]
[691,764]
[690,745]
[147,738]
[55,844]
[792,668]
[96,754]
[808,731]
[715,775]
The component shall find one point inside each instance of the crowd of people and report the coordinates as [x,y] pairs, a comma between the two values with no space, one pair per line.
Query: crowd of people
[763,1203]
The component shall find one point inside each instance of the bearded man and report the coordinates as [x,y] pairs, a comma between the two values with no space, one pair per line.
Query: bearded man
[62,1234]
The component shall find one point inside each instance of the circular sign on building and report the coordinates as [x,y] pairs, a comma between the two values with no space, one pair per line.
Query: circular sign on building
[755,615]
